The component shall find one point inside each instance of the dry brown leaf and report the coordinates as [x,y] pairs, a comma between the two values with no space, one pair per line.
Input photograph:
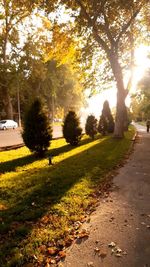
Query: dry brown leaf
[52,261]
[112,244]
[62,254]
[90,264]
[83,234]
[118,255]
[118,250]
[96,249]
[52,251]
[68,241]
[42,248]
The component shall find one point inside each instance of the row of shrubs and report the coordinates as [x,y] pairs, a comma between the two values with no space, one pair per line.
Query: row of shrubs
[37,132]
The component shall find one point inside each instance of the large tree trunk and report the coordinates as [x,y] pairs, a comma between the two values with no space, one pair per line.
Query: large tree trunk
[120,121]
[7,99]
[121,111]
[8,105]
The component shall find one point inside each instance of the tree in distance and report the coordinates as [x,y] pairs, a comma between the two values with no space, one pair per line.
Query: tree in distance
[37,131]
[91,126]
[102,125]
[71,129]
[106,122]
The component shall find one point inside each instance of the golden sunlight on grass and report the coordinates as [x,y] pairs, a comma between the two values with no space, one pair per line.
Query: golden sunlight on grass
[40,204]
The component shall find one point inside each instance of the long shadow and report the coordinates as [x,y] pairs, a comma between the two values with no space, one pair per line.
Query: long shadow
[50,186]
[11,165]
[67,147]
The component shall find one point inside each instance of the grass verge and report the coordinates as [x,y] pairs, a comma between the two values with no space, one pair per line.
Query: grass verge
[40,204]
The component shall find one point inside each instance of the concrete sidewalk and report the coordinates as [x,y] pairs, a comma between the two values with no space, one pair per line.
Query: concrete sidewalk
[119,230]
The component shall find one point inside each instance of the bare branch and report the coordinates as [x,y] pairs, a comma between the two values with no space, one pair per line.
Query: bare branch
[127,25]
[107,30]
[94,28]
[97,11]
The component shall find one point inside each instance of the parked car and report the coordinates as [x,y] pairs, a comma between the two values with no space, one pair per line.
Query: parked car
[57,120]
[7,124]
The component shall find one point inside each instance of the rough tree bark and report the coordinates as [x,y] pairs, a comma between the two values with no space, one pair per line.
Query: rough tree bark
[110,46]
[121,110]
[8,108]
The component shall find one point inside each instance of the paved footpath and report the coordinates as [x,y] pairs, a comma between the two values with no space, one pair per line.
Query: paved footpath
[121,220]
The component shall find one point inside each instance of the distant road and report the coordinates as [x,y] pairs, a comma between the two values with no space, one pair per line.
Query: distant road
[13,137]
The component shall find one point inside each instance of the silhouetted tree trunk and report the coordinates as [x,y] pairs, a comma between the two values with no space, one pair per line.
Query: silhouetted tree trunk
[121,110]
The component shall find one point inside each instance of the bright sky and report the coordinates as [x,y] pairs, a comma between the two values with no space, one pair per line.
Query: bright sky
[142,62]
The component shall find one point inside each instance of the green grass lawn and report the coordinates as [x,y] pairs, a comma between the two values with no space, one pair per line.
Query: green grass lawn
[39,204]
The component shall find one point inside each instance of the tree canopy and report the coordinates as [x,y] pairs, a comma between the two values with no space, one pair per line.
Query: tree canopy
[32,61]
[95,41]
[140,103]
[107,26]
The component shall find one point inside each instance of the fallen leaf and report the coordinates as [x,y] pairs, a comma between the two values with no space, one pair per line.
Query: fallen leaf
[91,264]
[111,245]
[35,257]
[96,249]
[42,248]
[52,261]
[83,233]
[118,250]
[77,225]
[113,251]
[62,254]
[52,251]
[118,255]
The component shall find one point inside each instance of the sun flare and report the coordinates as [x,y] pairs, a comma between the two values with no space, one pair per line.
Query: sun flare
[142,63]
[95,103]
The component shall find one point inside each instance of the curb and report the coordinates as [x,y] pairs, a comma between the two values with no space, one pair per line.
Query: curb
[6,148]
[135,136]
[12,147]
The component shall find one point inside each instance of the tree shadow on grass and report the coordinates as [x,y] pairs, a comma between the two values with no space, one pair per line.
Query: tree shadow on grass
[49,185]
[11,165]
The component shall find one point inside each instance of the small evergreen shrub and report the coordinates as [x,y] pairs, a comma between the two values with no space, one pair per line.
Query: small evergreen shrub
[102,125]
[71,129]
[106,122]
[37,131]
[91,126]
